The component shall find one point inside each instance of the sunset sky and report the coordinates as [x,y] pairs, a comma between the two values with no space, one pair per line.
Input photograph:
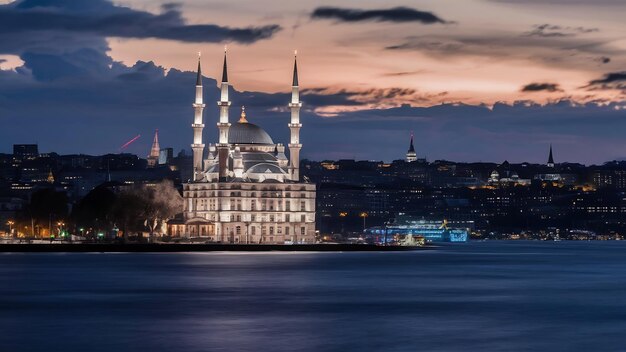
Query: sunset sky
[474,79]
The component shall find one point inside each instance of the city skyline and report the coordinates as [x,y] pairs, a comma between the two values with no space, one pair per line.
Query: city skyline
[543,79]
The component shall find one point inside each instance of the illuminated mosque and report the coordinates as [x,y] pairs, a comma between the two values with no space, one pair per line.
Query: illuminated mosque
[244,187]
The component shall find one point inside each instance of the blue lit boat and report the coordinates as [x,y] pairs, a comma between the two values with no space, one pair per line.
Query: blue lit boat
[431,231]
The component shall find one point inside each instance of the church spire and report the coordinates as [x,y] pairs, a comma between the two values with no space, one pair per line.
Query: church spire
[153,158]
[411,156]
[155,144]
[550,158]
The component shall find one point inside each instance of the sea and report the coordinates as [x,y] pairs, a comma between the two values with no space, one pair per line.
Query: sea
[476,296]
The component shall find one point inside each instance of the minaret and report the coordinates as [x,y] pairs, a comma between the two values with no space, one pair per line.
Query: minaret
[411,156]
[550,158]
[223,125]
[295,125]
[198,126]
[153,158]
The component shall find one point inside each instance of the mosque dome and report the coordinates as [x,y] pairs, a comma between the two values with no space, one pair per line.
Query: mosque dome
[244,132]
[248,133]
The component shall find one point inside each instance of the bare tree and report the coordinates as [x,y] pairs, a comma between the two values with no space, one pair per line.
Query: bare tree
[163,203]
[148,206]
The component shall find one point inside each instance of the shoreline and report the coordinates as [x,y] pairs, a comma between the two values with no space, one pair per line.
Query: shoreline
[187,247]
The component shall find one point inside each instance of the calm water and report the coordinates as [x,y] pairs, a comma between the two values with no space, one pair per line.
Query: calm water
[505,296]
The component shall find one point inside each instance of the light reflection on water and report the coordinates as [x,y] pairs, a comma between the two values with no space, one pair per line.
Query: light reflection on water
[496,296]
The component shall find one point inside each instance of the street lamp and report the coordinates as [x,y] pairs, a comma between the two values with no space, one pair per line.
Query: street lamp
[342,215]
[10,223]
[364,215]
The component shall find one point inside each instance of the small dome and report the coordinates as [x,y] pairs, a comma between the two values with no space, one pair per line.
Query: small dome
[265,168]
[248,133]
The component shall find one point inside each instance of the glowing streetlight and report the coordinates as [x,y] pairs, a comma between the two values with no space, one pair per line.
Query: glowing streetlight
[342,215]
[364,215]
[10,223]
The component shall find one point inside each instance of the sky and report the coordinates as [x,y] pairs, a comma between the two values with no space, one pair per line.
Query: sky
[473,80]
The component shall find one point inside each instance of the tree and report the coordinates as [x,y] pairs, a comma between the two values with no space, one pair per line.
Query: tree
[163,202]
[96,209]
[148,207]
[46,205]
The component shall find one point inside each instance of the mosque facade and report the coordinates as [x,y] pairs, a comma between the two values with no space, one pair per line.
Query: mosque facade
[245,189]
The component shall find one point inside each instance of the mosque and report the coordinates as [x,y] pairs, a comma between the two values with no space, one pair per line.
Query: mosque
[244,187]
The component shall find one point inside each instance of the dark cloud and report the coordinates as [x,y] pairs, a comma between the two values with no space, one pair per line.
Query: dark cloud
[104,19]
[556,51]
[539,87]
[429,45]
[563,2]
[373,97]
[405,73]
[612,80]
[396,14]
[550,30]
[66,39]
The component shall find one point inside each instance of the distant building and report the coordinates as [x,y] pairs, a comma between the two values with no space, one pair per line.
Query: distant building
[165,156]
[503,175]
[22,152]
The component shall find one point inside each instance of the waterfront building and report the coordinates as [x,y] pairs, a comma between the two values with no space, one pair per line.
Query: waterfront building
[245,189]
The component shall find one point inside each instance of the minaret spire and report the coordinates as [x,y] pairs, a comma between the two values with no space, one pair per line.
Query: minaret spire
[295,125]
[198,126]
[225,68]
[295,69]
[223,125]
[199,71]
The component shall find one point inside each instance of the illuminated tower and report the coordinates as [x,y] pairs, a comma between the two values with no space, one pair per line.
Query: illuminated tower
[198,126]
[295,125]
[550,158]
[411,156]
[223,125]
[153,158]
